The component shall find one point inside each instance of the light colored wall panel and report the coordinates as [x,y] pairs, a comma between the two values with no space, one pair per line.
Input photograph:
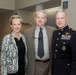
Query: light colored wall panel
[71,12]
[28,17]
[7,4]
[26,3]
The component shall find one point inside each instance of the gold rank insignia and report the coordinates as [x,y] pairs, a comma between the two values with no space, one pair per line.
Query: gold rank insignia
[67,33]
[63,48]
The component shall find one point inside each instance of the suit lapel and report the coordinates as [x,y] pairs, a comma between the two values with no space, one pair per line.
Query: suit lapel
[32,43]
[48,35]
[32,36]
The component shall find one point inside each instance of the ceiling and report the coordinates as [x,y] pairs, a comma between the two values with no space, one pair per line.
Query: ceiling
[48,4]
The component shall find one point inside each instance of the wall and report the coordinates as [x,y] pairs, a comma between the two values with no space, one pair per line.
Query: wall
[51,16]
[7,4]
[28,17]
[71,13]
[5,26]
[25,3]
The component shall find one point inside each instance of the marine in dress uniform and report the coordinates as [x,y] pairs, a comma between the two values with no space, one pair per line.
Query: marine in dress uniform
[73,70]
[62,51]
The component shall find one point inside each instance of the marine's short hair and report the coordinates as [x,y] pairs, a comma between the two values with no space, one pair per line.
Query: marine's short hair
[61,10]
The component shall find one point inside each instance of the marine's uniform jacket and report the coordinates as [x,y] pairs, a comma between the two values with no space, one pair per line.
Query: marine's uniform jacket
[9,54]
[62,51]
[73,71]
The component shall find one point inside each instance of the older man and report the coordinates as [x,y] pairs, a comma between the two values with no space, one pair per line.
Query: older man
[39,46]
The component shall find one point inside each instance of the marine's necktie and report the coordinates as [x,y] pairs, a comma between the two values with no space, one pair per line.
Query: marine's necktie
[40,44]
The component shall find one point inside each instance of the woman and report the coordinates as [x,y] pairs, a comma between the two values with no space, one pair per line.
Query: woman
[14,49]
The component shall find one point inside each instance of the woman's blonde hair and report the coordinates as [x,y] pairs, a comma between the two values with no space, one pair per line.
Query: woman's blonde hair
[15,17]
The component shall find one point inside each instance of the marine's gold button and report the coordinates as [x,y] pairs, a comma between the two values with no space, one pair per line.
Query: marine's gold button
[68,64]
[57,38]
[56,50]
[63,42]
[59,33]
[56,44]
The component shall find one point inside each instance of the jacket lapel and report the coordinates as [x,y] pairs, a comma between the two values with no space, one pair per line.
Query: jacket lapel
[48,35]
